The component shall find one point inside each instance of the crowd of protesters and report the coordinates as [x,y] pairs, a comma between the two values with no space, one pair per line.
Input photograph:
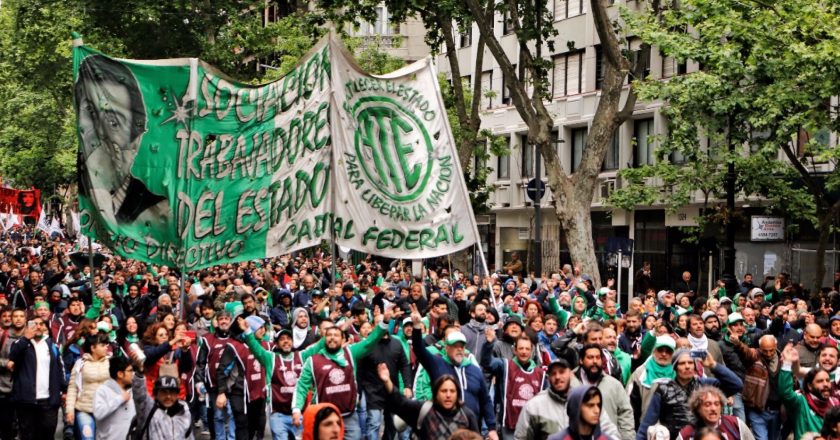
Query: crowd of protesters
[373,351]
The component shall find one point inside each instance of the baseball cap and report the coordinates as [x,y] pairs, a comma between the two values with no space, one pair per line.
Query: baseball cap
[726,299]
[734,317]
[166,383]
[707,314]
[284,331]
[456,337]
[603,291]
[513,320]
[665,341]
[559,362]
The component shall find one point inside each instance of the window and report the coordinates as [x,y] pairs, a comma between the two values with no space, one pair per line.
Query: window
[574,73]
[821,137]
[676,157]
[715,148]
[380,26]
[487,91]
[569,74]
[560,9]
[578,143]
[558,80]
[505,90]
[466,36]
[575,7]
[612,158]
[643,138]
[634,44]
[599,67]
[757,138]
[671,67]
[507,25]
[503,167]
[568,8]
[466,80]
[527,157]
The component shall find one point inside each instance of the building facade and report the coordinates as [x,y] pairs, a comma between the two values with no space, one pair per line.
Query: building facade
[657,236]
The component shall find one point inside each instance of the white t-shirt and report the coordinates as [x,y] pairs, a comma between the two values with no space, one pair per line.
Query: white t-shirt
[42,371]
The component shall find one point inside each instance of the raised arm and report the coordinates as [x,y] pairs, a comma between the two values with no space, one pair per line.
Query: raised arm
[366,346]
[490,363]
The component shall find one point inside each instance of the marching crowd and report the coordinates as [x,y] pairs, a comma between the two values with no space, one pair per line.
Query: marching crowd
[372,351]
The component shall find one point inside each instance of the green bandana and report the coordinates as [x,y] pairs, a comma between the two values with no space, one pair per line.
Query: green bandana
[40,304]
[655,372]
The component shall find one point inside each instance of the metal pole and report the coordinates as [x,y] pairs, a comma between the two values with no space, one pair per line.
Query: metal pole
[537,218]
[538,168]
[183,295]
[618,281]
[710,271]
[90,263]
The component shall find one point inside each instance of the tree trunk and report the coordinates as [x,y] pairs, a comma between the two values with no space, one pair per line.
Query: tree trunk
[577,227]
[826,220]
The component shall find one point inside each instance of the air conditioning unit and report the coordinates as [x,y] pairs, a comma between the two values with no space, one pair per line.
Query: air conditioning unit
[606,189]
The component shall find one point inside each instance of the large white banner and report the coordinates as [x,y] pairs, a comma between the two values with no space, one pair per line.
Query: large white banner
[398,174]
[181,165]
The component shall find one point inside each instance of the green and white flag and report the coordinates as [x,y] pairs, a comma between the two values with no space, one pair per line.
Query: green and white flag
[180,165]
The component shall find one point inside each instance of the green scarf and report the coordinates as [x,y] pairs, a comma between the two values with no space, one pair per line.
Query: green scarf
[527,367]
[655,371]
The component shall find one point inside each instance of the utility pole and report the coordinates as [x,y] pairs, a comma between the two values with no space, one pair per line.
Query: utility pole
[538,165]
[537,216]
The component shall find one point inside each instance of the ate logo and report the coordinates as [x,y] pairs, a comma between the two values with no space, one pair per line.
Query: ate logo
[336,376]
[290,377]
[394,147]
[526,392]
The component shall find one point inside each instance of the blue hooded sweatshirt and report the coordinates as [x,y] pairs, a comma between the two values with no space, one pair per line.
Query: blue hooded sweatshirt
[573,405]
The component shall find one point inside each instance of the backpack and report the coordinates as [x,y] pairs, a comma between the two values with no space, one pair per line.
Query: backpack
[135,434]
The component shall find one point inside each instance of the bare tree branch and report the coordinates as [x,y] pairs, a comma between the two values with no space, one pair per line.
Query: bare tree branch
[517,91]
[639,66]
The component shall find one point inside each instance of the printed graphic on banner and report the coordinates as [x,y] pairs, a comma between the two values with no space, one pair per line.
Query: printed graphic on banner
[398,169]
[25,203]
[180,165]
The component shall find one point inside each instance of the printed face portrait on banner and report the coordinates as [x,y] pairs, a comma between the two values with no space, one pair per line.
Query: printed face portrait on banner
[112,121]
[27,203]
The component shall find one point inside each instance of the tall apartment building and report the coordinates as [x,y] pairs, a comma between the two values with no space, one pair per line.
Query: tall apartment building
[575,82]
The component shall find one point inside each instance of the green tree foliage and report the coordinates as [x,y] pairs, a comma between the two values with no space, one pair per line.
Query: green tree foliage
[487,145]
[38,138]
[763,100]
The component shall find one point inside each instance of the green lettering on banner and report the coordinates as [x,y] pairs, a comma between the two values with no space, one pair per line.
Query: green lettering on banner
[206,170]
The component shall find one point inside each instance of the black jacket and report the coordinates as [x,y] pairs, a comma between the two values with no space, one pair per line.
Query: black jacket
[731,358]
[22,353]
[390,352]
